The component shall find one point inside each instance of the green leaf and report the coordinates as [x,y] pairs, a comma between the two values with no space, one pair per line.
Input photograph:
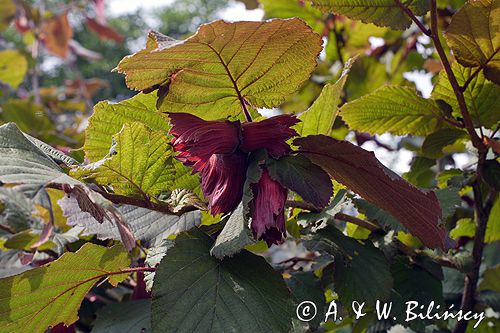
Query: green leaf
[235,235]
[28,116]
[286,9]
[300,175]
[435,142]
[196,292]
[305,286]
[7,12]
[153,259]
[394,109]
[415,282]
[319,118]
[373,213]
[22,162]
[13,67]
[318,220]
[384,13]
[361,270]
[490,279]
[225,66]
[124,317]
[493,227]
[140,166]
[108,119]
[360,171]
[473,36]
[51,294]
[481,96]
[465,228]
[491,172]
[366,75]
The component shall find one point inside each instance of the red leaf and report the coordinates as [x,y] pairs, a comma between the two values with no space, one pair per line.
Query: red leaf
[419,211]
[104,31]
[56,35]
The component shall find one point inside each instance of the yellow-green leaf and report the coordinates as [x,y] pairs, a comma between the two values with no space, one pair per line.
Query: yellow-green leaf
[482,96]
[398,110]
[474,37]
[140,165]
[490,279]
[51,294]
[319,118]
[225,66]
[7,12]
[493,227]
[13,67]
[109,118]
[294,8]
[386,13]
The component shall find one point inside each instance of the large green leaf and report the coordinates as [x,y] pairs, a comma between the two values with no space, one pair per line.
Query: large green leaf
[140,165]
[194,292]
[108,119]
[481,96]
[380,12]
[51,294]
[13,67]
[473,36]
[319,118]
[360,171]
[124,317]
[361,270]
[225,66]
[398,110]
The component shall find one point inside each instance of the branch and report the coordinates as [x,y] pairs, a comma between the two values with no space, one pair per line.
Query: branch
[121,199]
[413,17]
[469,125]
[302,205]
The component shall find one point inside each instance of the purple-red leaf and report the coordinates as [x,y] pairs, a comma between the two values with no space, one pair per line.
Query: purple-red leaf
[358,169]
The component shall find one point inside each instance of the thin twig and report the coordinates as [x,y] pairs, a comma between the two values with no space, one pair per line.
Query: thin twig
[362,223]
[477,71]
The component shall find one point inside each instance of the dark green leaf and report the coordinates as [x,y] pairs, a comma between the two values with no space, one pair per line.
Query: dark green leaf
[194,291]
[124,317]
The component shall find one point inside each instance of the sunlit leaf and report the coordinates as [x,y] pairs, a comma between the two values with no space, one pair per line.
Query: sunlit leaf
[393,109]
[493,227]
[13,67]
[7,12]
[140,165]
[434,143]
[481,96]
[108,119]
[473,36]
[193,289]
[319,118]
[360,171]
[294,8]
[51,294]
[225,66]
[380,12]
